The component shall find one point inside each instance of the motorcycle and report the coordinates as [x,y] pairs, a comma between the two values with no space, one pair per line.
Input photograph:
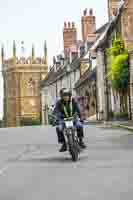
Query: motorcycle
[70,134]
[71,138]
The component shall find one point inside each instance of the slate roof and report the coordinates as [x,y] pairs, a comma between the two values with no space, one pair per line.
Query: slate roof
[101,39]
[50,76]
[89,45]
[88,75]
[91,75]
[102,28]
[54,76]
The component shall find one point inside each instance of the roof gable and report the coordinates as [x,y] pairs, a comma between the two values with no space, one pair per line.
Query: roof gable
[88,75]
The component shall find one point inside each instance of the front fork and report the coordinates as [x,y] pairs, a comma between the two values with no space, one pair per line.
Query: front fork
[72,140]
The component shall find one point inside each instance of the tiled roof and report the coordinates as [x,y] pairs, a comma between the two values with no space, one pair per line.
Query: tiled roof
[88,75]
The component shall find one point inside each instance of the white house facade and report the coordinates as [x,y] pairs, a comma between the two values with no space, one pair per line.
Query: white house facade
[64,77]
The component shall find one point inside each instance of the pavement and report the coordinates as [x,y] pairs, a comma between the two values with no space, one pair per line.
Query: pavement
[120,124]
[31,168]
[125,124]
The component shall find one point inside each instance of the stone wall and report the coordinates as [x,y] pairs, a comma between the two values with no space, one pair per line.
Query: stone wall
[131,83]
[101,92]
[22,93]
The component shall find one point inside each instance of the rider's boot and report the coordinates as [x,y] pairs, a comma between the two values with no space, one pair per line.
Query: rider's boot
[61,139]
[81,143]
[63,147]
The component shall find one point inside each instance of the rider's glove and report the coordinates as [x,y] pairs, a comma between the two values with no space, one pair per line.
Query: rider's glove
[82,120]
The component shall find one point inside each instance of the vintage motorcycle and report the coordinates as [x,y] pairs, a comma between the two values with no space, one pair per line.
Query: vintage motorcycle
[71,138]
[70,134]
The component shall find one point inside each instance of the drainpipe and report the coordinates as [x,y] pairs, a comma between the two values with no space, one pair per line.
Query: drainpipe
[96,98]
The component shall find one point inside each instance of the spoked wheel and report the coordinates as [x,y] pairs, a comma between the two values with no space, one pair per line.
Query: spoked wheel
[73,148]
[74,153]
[77,146]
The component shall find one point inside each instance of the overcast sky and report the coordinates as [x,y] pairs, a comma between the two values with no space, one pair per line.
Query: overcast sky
[34,21]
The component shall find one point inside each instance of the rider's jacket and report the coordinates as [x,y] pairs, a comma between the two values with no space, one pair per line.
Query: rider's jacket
[64,110]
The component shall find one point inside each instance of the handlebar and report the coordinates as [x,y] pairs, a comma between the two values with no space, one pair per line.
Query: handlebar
[71,118]
[68,119]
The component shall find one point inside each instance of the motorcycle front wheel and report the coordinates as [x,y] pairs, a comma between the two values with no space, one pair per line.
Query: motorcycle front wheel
[73,149]
[74,154]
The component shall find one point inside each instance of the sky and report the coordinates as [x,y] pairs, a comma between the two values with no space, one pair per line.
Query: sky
[34,21]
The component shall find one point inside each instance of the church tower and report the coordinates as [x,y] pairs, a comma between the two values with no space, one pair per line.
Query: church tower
[22,76]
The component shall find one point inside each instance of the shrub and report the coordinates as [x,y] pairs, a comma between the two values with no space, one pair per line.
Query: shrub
[30,122]
[121,115]
[119,71]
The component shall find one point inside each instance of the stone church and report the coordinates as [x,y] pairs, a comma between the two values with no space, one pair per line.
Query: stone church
[21,77]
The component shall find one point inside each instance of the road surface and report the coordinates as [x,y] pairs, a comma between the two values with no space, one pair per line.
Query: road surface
[31,168]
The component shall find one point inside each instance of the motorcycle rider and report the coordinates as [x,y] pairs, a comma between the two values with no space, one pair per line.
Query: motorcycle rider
[67,107]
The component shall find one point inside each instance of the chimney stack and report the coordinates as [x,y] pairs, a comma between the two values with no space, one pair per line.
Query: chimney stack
[88,23]
[112,7]
[69,36]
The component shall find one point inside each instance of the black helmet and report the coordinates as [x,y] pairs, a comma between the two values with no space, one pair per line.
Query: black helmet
[61,91]
[66,92]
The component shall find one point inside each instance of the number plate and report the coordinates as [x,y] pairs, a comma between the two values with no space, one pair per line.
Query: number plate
[69,124]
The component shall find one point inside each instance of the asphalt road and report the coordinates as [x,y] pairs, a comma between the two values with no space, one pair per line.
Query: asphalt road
[31,168]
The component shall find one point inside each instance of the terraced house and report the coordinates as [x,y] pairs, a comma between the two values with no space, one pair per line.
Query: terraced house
[67,68]
[109,100]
